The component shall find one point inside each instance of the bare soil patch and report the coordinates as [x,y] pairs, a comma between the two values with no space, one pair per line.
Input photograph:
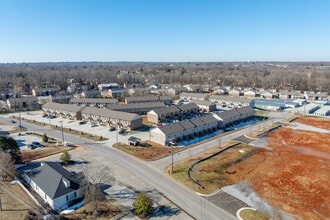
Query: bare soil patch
[293,175]
[314,121]
[151,151]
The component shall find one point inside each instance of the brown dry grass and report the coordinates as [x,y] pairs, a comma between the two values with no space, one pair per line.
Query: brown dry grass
[152,151]
[43,152]
[210,173]
[314,121]
[15,202]
[108,210]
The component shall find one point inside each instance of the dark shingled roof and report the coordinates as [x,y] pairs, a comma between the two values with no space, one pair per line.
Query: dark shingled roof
[189,106]
[120,107]
[186,124]
[166,110]
[63,107]
[208,119]
[197,122]
[92,101]
[203,102]
[110,113]
[50,177]
[171,128]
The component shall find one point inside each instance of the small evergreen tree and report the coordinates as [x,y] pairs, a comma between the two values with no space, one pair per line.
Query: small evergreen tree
[45,138]
[143,205]
[65,158]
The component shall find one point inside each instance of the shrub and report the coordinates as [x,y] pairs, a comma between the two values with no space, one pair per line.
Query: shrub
[143,205]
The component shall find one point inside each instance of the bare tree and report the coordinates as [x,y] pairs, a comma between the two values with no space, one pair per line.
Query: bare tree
[7,167]
[96,177]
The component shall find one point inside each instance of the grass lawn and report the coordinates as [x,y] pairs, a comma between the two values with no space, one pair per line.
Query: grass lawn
[15,202]
[250,214]
[210,173]
[151,151]
[43,152]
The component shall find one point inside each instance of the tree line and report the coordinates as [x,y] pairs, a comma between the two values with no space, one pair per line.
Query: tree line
[297,76]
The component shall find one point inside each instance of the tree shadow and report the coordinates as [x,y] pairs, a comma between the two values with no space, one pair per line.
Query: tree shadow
[165,211]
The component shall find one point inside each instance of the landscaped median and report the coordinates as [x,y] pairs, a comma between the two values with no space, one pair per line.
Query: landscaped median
[251,214]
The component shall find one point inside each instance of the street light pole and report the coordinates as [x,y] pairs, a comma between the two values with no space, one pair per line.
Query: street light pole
[62,132]
[172,159]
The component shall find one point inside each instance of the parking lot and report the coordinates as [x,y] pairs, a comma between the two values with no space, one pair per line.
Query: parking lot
[104,131]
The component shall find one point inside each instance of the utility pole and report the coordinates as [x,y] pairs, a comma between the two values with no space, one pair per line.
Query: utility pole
[62,132]
[172,159]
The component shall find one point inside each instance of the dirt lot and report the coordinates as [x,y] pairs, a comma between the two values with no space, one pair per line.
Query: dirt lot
[294,175]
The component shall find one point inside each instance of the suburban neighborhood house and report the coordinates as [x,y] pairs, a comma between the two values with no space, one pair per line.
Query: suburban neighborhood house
[54,184]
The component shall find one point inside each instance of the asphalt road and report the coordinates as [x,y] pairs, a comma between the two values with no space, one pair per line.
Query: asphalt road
[186,199]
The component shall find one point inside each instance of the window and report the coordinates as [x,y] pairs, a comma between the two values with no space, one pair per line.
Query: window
[67,198]
[74,194]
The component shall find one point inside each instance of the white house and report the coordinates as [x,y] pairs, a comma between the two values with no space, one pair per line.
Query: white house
[54,184]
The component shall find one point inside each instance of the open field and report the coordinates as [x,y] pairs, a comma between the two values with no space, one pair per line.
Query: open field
[152,151]
[314,121]
[293,175]
[15,203]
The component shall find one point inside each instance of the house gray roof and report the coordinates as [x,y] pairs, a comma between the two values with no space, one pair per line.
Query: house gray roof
[189,106]
[165,98]
[63,107]
[197,122]
[230,99]
[93,101]
[148,99]
[110,113]
[203,102]
[50,177]
[186,124]
[166,110]
[171,128]
[227,114]
[151,105]
[195,95]
[23,99]
[208,119]
[244,110]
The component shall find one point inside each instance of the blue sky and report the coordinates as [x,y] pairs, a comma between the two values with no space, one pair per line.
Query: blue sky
[164,30]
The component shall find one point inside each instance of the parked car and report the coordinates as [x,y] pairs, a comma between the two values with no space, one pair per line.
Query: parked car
[93,125]
[12,121]
[112,129]
[32,146]
[22,127]
[123,132]
[82,122]
[37,144]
